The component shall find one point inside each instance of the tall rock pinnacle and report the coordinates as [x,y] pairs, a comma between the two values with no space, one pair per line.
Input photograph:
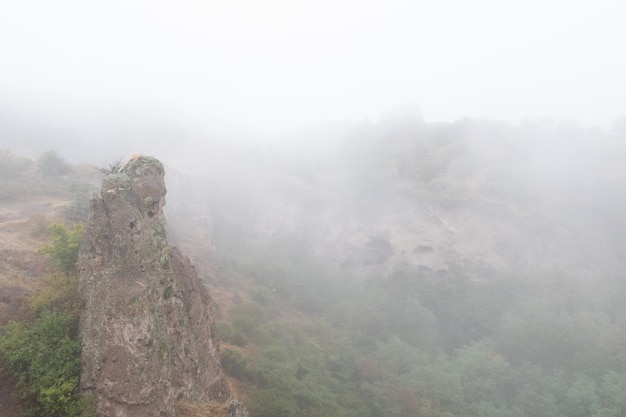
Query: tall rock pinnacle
[147,329]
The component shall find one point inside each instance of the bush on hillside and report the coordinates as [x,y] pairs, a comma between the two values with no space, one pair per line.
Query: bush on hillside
[65,246]
[233,362]
[50,164]
[42,350]
[12,166]
[44,357]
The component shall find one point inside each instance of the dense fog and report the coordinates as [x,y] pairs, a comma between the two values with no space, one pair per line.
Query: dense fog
[400,210]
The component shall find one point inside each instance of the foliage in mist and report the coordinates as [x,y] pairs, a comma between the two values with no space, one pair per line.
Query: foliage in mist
[64,247]
[51,164]
[12,165]
[78,210]
[42,350]
[49,175]
[310,339]
[12,169]
[44,357]
[413,346]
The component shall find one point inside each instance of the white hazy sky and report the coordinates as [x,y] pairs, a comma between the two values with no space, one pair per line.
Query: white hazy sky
[280,63]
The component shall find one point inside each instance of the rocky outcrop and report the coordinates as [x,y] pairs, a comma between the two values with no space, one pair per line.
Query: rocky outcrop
[147,329]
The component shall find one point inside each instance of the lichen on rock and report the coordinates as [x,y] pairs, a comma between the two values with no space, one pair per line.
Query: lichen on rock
[147,330]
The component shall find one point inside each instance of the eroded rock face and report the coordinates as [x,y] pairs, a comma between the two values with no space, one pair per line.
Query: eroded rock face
[147,330]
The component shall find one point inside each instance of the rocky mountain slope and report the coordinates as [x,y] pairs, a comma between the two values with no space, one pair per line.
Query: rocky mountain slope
[485,196]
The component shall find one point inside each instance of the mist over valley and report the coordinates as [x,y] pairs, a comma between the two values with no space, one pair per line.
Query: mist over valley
[373,209]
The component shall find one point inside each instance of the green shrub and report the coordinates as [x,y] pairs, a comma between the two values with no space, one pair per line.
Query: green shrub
[261,294]
[79,208]
[234,362]
[42,351]
[50,164]
[58,293]
[7,189]
[44,357]
[12,166]
[224,332]
[65,246]
[247,318]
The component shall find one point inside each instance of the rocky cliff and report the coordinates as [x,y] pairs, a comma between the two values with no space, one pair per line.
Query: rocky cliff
[482,196]
[147,329]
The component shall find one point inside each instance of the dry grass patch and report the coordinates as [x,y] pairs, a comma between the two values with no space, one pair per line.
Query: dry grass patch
[186,409]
